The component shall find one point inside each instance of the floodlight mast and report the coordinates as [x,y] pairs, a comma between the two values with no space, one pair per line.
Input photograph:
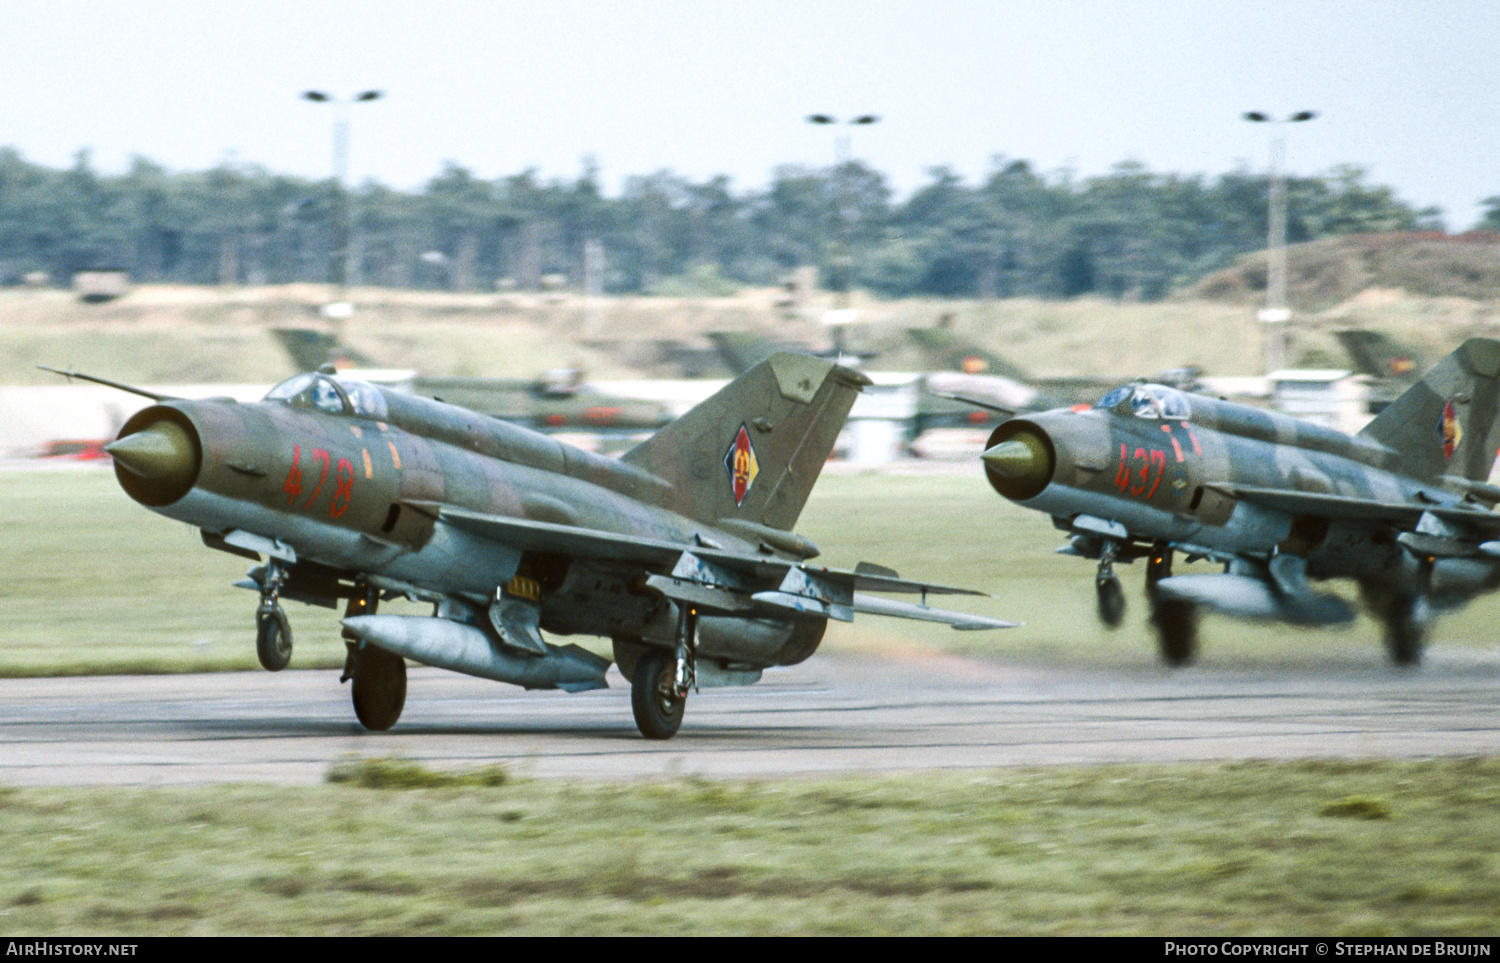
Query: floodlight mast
[1276,313]
[338,254]
[843,258]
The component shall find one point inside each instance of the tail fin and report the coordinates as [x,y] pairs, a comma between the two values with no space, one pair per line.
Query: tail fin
[1445,424]
[743,350]
[1377,355]
[947,351]
[753,451]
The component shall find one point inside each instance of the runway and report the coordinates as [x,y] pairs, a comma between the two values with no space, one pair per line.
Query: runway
[838,713]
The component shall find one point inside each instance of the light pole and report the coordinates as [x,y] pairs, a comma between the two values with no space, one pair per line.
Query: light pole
[1276,314]
[843,259]
[338,254]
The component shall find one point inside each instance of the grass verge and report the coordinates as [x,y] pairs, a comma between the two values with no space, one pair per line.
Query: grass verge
[1246,848]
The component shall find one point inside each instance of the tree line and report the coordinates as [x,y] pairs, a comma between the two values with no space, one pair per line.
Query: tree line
[1130,233]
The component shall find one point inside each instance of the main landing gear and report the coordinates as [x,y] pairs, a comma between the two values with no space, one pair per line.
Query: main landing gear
[378,676]
[658,692]
[379,688]
[1175,621]
[1404,617]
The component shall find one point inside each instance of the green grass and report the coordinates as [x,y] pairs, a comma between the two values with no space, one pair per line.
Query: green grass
[95,583]
[1224,849]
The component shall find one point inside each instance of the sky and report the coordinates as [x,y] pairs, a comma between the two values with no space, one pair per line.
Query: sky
[1406,90]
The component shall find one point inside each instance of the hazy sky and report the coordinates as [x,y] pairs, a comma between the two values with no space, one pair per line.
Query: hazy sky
[703,87]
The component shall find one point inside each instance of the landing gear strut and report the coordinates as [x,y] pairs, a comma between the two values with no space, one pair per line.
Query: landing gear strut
[1176,622]
[1111,597]
[273,633]
[658,693]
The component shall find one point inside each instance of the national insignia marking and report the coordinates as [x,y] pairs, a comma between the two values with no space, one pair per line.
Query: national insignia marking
[1451,431]
[741,464]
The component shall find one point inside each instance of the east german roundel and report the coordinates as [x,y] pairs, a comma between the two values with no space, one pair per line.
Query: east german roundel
[1448,426]
[741,465]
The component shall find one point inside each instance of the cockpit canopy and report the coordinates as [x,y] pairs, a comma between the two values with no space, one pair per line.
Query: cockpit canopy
[336,396]
[1148,401]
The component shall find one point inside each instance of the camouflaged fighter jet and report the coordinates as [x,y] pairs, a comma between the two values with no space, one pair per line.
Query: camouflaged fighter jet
[680,552]
[1403,508]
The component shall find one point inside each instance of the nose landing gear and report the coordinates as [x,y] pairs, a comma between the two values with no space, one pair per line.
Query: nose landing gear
[273,633]
[1111,597]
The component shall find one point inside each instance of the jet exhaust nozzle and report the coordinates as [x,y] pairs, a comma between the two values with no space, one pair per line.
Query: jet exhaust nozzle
[464,648]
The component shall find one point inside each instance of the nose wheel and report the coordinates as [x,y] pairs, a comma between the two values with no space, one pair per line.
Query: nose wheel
[1111,599]
[1110,596]
[273,638]
[273,633]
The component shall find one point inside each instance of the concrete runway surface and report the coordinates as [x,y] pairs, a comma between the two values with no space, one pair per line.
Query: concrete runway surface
[837,713]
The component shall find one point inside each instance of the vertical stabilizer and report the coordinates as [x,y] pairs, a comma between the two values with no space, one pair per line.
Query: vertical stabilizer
[753,451]
[1445,424]
[946,351]
[1379,356]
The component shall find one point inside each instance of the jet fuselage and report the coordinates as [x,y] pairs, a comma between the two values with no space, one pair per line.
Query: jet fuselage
[351,478]
[1163,465]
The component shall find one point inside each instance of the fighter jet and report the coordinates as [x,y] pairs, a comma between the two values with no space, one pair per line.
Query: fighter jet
[1404,508]
[559,400]
[681,552]
[964,371]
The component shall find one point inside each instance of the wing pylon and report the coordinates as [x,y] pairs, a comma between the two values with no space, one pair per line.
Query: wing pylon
[722,582]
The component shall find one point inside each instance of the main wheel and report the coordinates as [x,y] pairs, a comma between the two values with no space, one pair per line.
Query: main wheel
[273,638]
[1111,600]
[657,707]
[1176,630]
[378,687]
[1403,615]
[1405,630]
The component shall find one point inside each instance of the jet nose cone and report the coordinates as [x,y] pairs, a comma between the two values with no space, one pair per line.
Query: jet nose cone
[161,453]
[1014,459]
[1019,467]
